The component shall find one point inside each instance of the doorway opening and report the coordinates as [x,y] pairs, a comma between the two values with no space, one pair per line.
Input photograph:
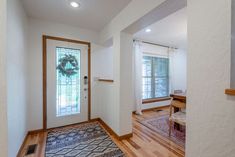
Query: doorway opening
[160,51]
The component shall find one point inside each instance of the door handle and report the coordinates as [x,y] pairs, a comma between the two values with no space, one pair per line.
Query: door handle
[85,80]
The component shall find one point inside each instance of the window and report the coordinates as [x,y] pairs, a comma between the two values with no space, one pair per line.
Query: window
[155,77]
[68,88]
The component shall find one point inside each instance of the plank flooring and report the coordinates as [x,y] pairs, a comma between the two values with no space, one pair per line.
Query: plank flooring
[144,143]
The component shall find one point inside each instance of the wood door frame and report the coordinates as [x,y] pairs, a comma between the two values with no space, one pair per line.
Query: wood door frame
[44,67]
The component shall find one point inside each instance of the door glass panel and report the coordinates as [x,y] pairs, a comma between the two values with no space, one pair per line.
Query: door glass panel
[68,81]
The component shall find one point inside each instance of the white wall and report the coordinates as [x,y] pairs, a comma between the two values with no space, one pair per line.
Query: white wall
[125,84]
[155,104]
[36,29]
[3,95]
[102,63]
[16,75]
[130,14]
[102,67]
[210,113]
[154,50]
[178,70]
[233,47]
[115,100]
[106,104]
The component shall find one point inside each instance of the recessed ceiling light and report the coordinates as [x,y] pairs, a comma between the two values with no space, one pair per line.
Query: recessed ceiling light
[74,4]
[148,30]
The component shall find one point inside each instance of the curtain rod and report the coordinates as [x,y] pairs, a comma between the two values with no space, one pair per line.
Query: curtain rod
[155,44]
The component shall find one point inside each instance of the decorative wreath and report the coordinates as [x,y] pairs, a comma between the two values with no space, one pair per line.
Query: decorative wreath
[68,70]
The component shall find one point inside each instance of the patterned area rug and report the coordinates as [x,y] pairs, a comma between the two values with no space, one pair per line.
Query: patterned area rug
[160,124]
[85,140]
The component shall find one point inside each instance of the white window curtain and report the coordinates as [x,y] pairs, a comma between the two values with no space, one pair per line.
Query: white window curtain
[171,69]
[138,57]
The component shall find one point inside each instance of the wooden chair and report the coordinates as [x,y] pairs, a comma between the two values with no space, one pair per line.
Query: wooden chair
[177,117]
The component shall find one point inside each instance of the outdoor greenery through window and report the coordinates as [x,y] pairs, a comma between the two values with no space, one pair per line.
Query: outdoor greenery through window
[155,77]
[68,88]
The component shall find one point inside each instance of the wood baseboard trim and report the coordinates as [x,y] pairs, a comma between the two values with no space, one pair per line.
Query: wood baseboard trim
[94,120]
[113,133]
[32,132]
[154,108]
[126,136]
[41,130]
[70,125]
[147,101]
[22,146]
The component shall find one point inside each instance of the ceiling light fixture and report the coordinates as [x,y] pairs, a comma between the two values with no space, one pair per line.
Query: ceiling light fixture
[74,4]
[148,30]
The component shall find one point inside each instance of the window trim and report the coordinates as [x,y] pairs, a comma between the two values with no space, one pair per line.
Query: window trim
[152,100]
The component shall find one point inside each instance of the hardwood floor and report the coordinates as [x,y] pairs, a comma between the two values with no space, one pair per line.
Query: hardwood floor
[144,143]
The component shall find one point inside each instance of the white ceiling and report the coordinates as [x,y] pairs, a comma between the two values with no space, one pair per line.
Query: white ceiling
[170,31]
[92,14]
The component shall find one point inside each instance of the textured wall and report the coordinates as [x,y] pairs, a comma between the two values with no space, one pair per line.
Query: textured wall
[130,14]
[178,70]
[16,67]
[3,99]
[210,113]
[233,47]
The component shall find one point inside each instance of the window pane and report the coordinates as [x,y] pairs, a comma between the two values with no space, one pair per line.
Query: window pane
[147,77]
[161,71]
[147,66]
[161,87]
[147,90]
[161,67]
[68,88]
[155,77]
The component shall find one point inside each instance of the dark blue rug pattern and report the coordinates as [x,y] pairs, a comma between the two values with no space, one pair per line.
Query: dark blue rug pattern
[84,140]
